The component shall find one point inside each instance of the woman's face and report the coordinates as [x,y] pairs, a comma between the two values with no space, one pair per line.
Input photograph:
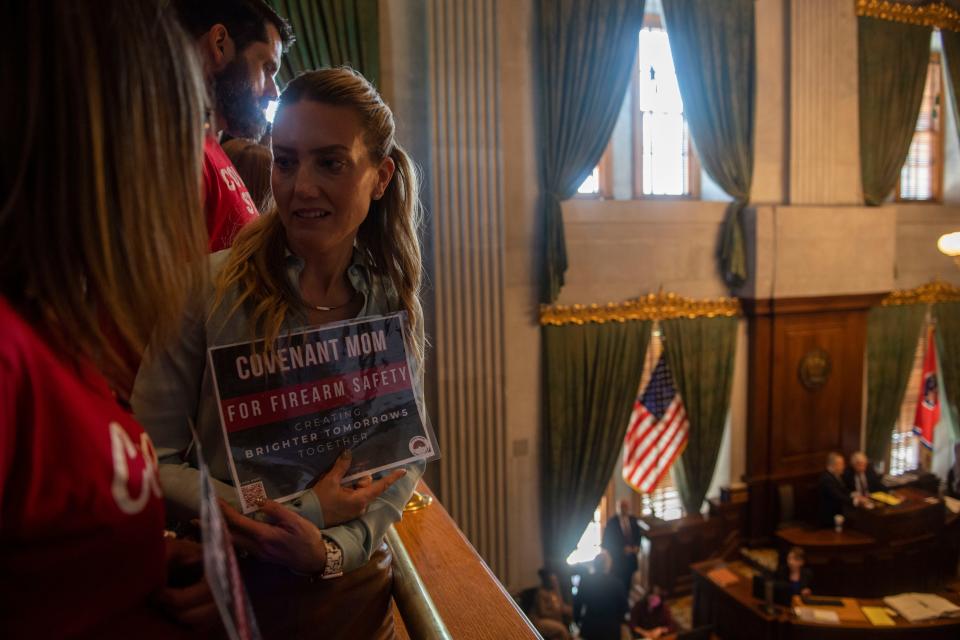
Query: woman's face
[323,176]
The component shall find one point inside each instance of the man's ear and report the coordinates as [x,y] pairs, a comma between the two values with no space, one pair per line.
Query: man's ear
[218,47]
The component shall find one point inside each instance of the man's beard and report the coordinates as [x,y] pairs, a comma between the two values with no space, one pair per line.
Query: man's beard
[237,103]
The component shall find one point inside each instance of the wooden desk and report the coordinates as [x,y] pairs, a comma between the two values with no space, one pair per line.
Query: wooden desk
[737,615]
[915,517]
[911,547]
[824,539]
[860,627]
[669,547]
[732,610]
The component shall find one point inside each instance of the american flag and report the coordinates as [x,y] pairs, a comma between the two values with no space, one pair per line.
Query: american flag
[657,433]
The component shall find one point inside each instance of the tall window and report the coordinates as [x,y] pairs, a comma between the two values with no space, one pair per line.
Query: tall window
[904,443]
[663,166]
[664,502]
[661,160]
[921,177]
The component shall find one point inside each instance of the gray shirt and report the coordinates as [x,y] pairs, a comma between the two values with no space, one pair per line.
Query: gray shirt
[174,384]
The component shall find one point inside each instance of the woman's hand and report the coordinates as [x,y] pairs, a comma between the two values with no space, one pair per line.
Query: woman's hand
[344,503]
[289,539]
[187,599]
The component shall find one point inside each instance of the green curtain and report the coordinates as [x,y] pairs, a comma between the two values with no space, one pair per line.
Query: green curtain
[947,332]
[714,51]
[951,54]
[892,335]
[586,52]
[893,60]
[591,373]
[700,353]
[331,33]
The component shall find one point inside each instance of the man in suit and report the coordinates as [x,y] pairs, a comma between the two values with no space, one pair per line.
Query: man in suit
[833,493]
[621,539]
[600,606]
[860,478]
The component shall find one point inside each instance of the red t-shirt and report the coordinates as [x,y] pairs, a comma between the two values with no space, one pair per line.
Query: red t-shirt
[81,512]
[227,202]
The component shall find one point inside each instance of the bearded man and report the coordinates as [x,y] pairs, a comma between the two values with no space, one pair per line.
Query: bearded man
[240,44]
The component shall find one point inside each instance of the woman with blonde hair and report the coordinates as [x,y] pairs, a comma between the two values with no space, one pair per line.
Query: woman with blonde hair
[340,243]
[101,242]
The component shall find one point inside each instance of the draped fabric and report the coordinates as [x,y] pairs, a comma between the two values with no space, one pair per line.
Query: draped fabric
[714,51]
[951,54]
[586,52]
[892,335]
[700,352]
[331,33]
[591,376]
[947,331]
[893,60]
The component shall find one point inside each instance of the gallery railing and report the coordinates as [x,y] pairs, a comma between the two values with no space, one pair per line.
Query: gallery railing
[443,588]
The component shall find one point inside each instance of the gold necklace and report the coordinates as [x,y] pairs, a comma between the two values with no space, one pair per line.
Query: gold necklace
[319,307]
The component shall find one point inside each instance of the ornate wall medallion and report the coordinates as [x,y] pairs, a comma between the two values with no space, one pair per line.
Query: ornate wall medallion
[814,370]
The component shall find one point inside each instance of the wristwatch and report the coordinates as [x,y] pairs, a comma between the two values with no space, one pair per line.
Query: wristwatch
[334,567]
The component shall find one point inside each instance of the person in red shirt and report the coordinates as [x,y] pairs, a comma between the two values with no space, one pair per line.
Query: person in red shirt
[98,249]
[240,43]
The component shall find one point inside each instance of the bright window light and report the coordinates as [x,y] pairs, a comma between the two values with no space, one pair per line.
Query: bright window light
[271,111]
[589,545]
[665,135]
[591,186]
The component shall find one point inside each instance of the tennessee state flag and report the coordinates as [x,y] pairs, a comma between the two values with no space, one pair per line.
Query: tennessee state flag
[928,405]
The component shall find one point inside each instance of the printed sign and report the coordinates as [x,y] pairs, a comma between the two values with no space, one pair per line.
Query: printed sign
[220,566]
[289,411]
[221,569]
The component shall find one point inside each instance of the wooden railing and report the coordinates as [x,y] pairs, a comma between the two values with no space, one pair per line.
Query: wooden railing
[443,589]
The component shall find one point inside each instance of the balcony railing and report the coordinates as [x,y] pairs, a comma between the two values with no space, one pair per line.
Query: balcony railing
[443,588]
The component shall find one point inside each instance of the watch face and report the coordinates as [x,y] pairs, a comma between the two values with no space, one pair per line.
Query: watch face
[334,566]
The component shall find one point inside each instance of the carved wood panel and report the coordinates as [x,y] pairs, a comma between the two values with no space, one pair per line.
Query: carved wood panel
[810,420]
[805,395]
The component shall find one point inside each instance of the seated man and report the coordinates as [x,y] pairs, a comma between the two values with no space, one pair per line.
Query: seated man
[860,478]
[833,493]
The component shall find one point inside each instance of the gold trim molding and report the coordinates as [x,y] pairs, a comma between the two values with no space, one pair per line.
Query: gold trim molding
[654,306]
[930,293]
[935,14]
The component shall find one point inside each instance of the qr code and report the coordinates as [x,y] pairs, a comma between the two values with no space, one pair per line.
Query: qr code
[253,495]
